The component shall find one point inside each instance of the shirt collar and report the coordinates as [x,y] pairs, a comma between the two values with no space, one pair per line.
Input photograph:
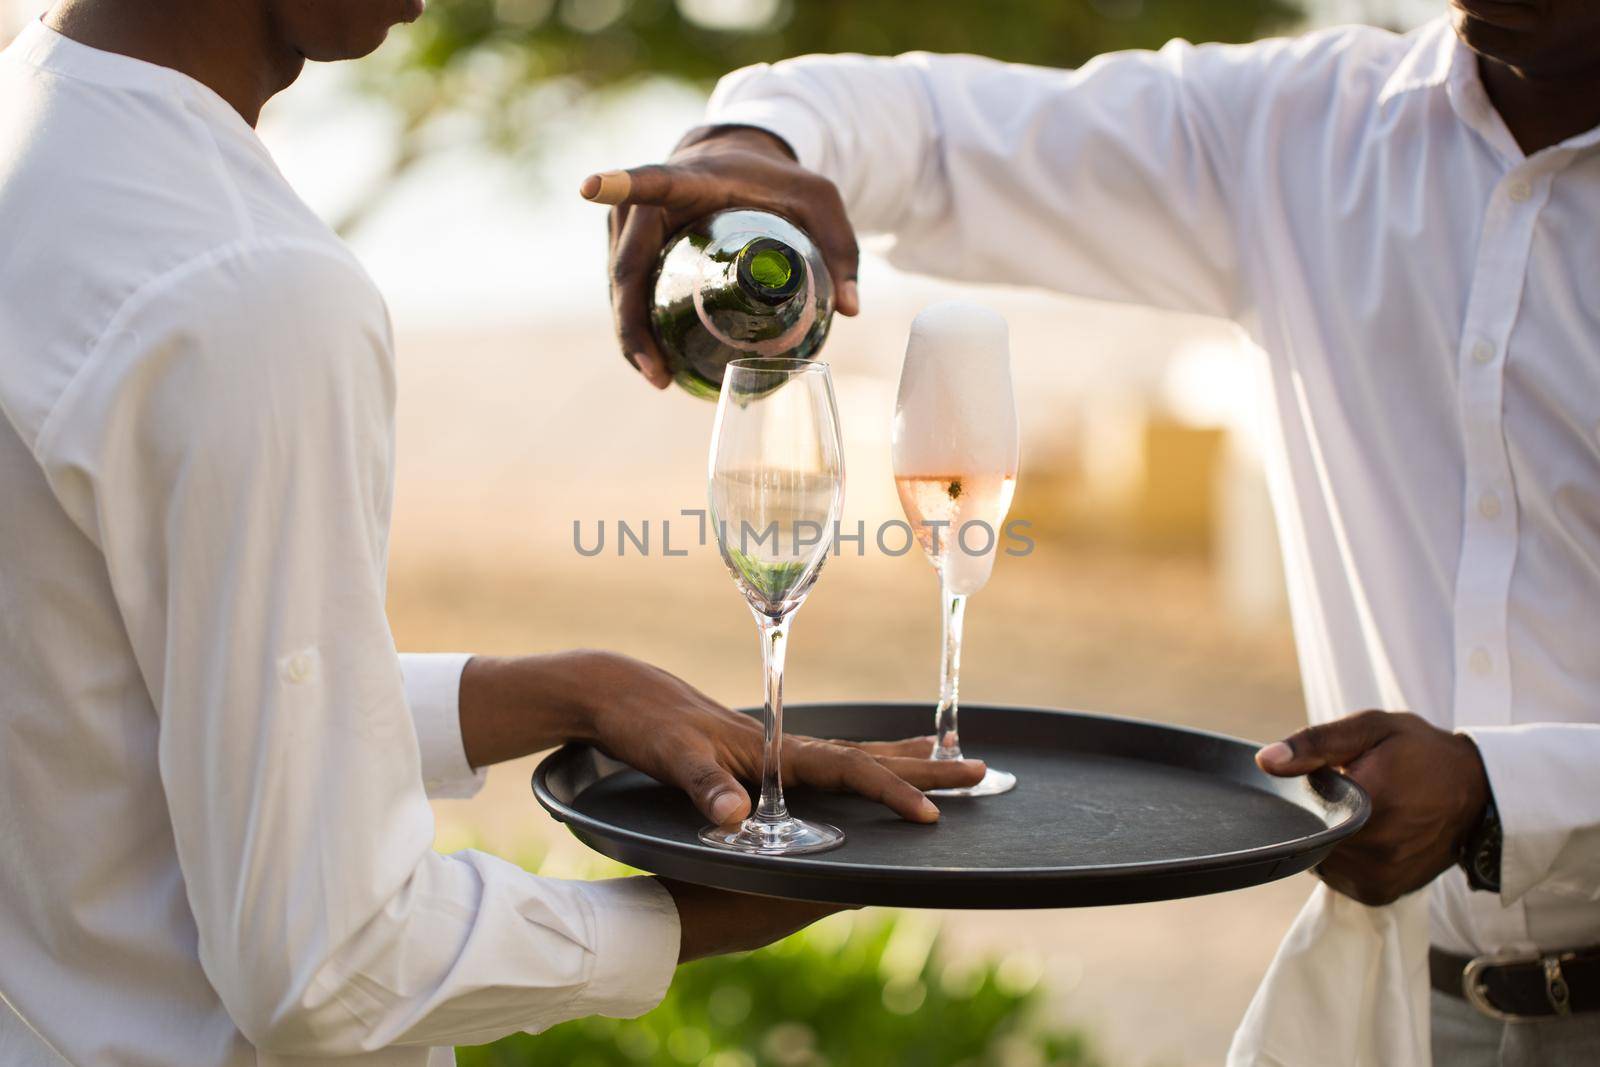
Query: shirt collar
[1439,60]
[40,46]
[1427,65]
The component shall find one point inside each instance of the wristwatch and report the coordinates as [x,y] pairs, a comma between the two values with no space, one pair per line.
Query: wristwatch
[1480,853]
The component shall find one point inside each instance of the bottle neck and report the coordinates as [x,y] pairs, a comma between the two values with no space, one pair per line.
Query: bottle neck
[767,276]
[760,301]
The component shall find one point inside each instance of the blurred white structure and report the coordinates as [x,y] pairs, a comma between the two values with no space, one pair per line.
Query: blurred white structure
[1222,384]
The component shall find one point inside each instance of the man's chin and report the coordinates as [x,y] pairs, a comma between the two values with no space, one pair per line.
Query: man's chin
[355,48]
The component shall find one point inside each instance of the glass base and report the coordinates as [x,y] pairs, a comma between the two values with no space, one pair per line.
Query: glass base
[994,783]
[781,837]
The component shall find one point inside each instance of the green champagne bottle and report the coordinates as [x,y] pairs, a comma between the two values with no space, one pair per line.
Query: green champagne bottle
[736,285]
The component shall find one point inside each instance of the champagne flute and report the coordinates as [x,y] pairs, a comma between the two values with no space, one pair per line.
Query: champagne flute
[777,486]
[955,448]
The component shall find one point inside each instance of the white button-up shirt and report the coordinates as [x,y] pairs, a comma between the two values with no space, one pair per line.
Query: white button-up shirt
[1428,298]
[215,841]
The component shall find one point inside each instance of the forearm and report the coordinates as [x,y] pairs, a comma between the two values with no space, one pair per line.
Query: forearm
[715,921]
[1102,182]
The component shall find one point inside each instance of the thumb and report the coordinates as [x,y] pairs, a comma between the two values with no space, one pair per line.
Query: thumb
[607,187]
[717,794]
[1332,744]
[661,185]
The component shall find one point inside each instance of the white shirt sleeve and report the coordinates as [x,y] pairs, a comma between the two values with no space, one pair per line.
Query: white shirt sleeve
[1544,777]
[229,449]
[1110,181]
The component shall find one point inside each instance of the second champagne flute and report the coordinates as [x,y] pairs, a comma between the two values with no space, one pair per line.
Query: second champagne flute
[955,447]
[777,487]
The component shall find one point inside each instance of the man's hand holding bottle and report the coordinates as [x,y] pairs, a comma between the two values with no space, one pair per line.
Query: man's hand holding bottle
[712,169]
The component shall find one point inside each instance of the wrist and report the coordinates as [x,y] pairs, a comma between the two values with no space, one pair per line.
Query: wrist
[515,706]
[1479,846]
[692,943]
[1480,856]
[1476,795]
[749,138]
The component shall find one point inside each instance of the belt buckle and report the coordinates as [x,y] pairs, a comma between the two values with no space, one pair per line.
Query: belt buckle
[1476,990]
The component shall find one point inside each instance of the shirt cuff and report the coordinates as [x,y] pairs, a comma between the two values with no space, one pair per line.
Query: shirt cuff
[637,937]
[433,692]
[791,122]
[1538,774]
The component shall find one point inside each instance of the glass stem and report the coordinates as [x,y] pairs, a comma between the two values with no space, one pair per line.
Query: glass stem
[947,742]
[774,640]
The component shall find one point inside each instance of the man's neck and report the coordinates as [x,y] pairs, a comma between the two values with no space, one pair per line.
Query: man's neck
[226,45]
[1541,113]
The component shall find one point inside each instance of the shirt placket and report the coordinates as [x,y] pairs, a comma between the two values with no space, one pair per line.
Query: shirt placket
[1489,515]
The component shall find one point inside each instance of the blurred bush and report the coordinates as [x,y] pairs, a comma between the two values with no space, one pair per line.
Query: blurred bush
[856,990]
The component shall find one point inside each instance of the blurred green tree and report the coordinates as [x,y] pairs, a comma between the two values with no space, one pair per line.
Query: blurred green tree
[855,991]
[501,71]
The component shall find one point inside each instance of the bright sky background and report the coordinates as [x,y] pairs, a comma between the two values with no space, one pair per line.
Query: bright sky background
[470,233]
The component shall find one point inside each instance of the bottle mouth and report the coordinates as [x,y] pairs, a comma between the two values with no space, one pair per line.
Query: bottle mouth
[779,365]
[770,270]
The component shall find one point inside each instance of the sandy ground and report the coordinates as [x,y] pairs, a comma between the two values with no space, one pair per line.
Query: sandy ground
[506,440]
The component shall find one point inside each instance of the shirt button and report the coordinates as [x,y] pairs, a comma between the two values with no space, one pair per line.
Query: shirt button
[1480,662]
[1482,352]
[1519,191]
[299,667]
[1489,505]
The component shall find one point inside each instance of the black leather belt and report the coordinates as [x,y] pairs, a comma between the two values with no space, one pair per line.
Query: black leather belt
[1521,986]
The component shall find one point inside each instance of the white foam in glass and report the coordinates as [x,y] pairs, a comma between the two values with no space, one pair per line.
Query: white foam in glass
[955,440]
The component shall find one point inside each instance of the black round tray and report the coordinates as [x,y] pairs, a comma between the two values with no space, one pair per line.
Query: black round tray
[1106,811]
